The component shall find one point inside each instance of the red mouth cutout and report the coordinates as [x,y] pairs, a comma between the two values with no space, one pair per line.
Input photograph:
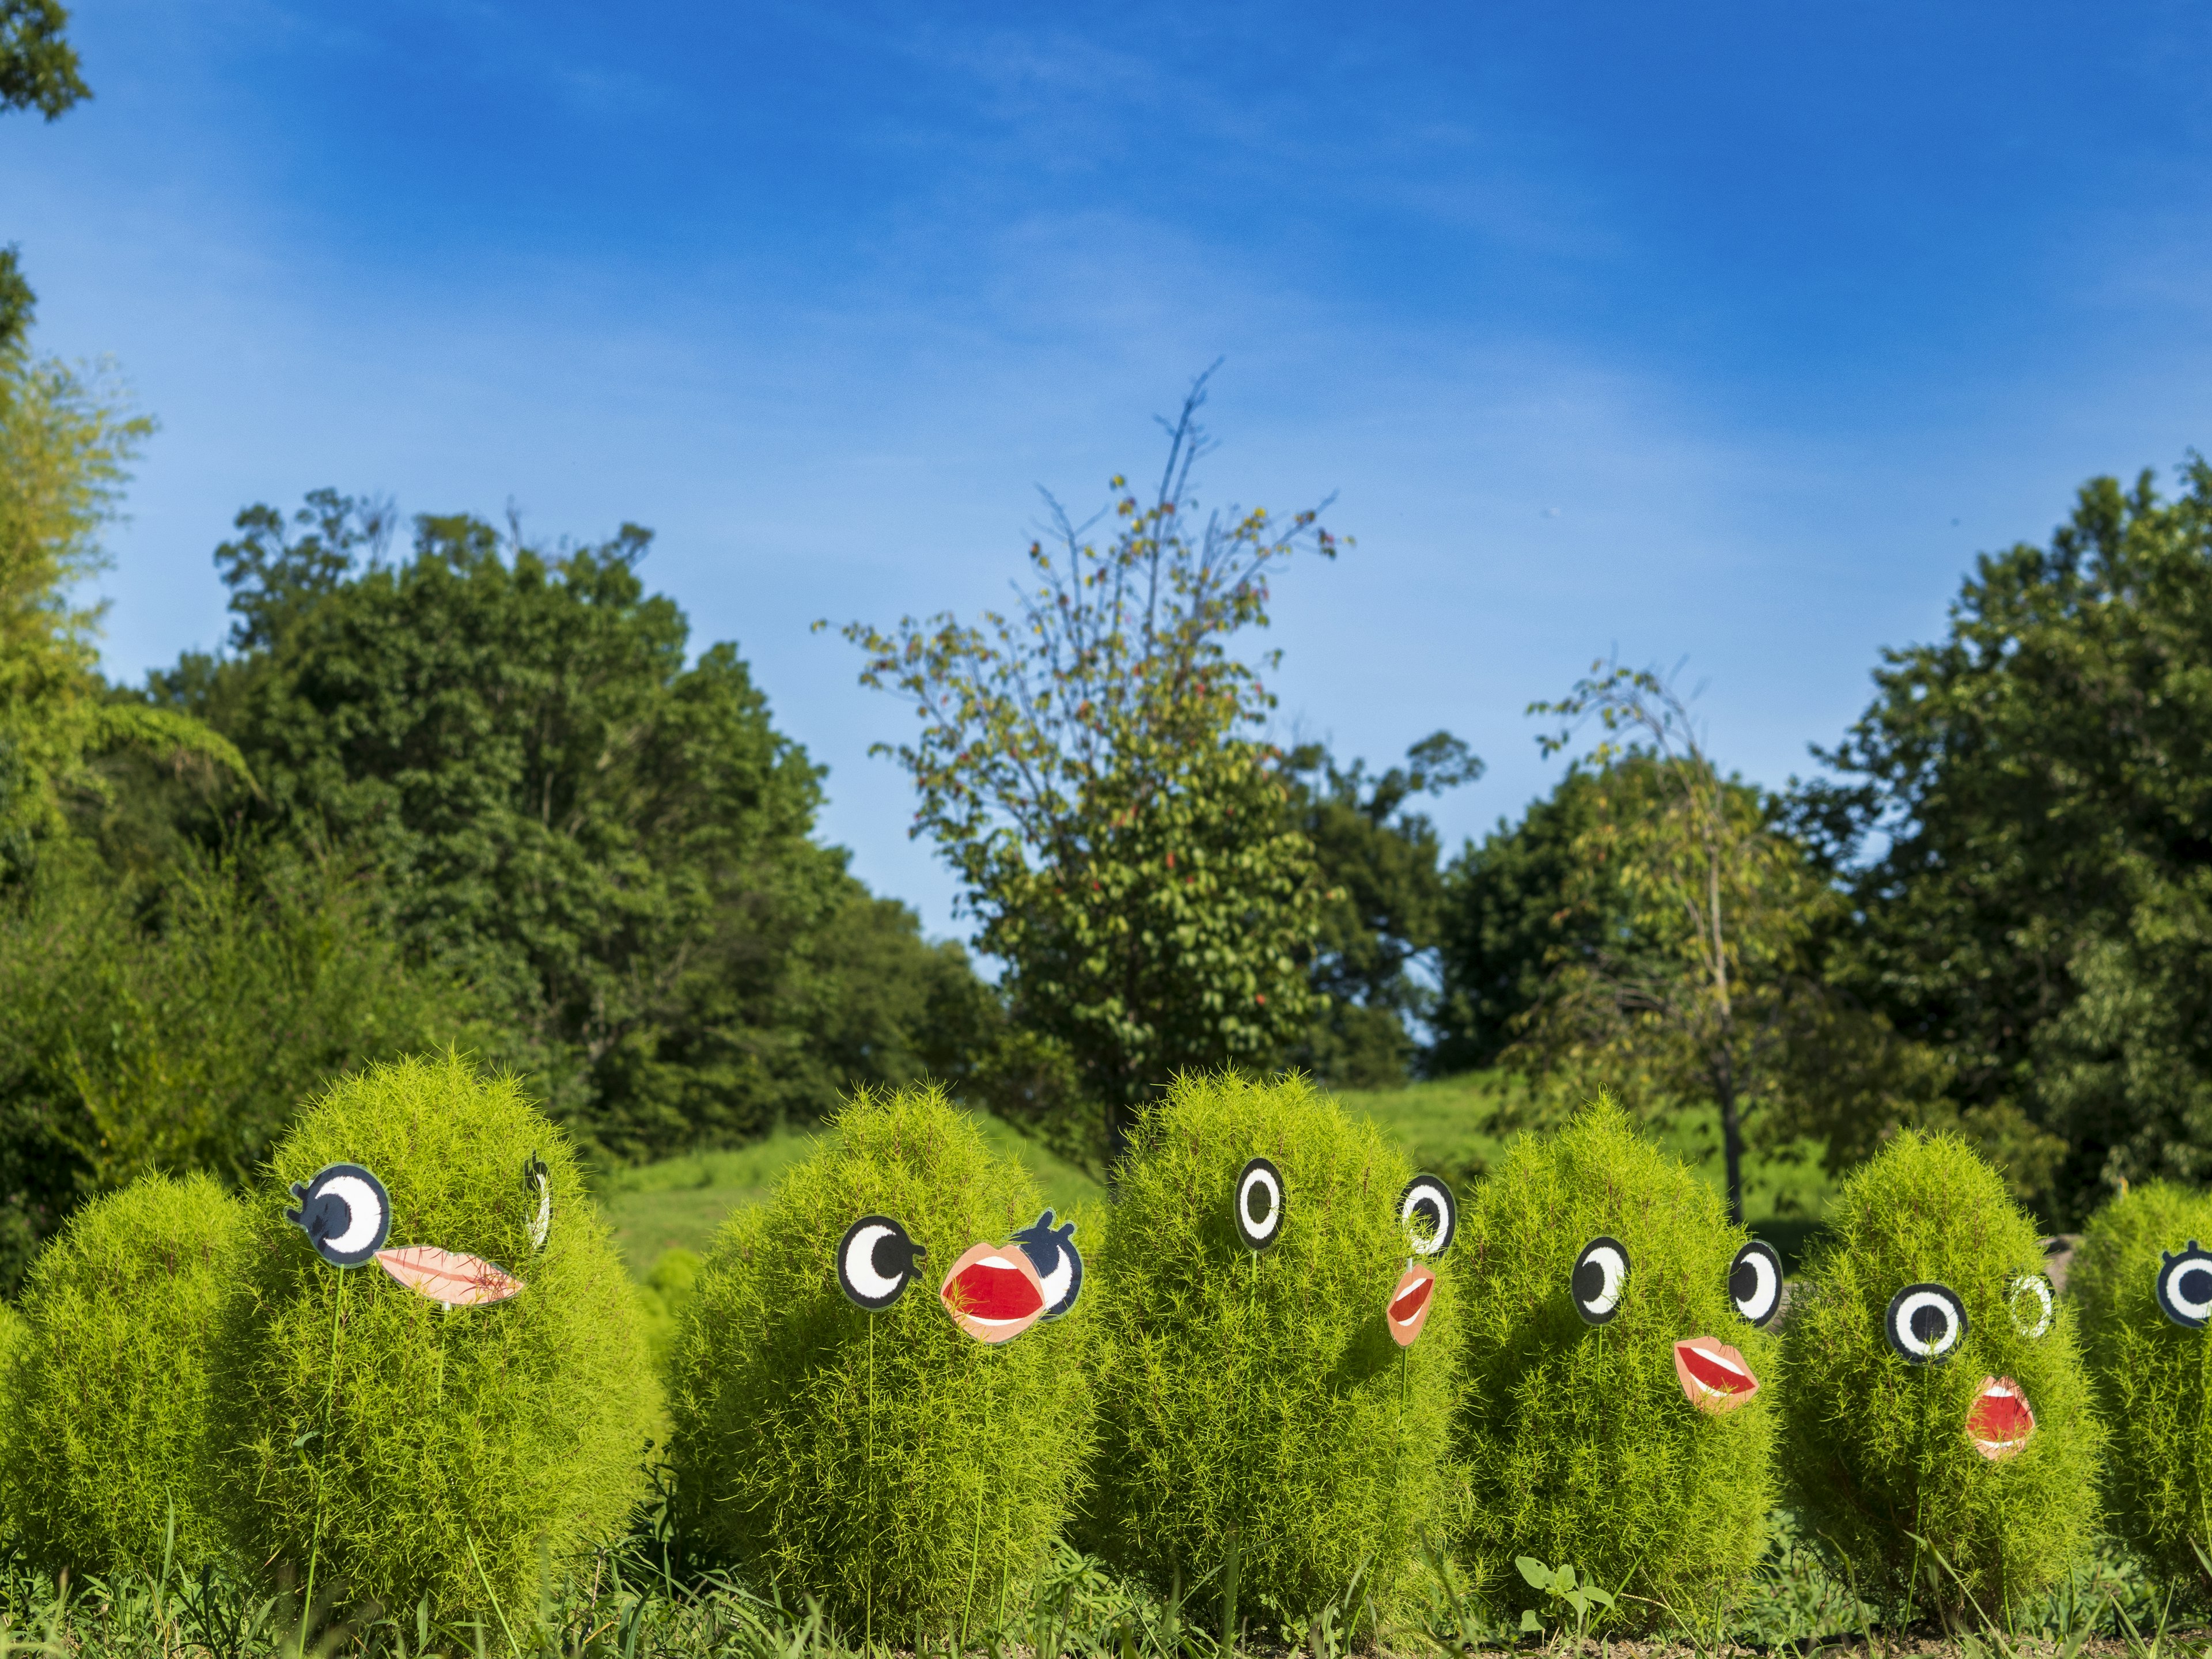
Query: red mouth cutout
[1409,1303]
[1715,1378]
[992,1293]
[457,1281]
[1999,1422]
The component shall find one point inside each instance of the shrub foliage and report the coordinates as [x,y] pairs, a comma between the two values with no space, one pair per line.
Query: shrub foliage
[396,1449]
[1581,1447]
[907,1475]
[1876,1451]
[1259,1406]
[102,1436]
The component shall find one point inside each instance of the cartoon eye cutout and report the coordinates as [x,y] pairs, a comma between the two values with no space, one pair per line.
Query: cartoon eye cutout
[1052,1252]
[1429,1217]
[1925,1323]
[875,1262]
[345,1213]
[1260,1205]
[2033,1303]
[1755,1281]
[538,1183]
[992,1292]
[1601,1274]
[2185,1287]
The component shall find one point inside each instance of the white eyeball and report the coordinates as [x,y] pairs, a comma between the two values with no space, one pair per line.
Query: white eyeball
[1755,1281]
[2033,1304]
[1925,1323]
[345,1213]
[538,1183]
[1260,1204]
[875,1262]
[1428,1214]
[1600,1275]
[2185,1287]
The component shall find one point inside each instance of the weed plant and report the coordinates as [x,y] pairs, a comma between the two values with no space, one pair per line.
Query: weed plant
[102,1439]
[371,1440]
[1260,1431]
[905,1475]
[1581,1446]
[1876,1452]
[2150,1377]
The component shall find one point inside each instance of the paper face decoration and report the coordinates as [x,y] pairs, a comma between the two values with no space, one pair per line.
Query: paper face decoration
[1600,1275]
[1755,1281]
[992,1292]
[2185,1287]
[1409,1303]
[1051,1251]
[538,1183]
[1260,1205]
[2034,1305]
[1715,1378]
[876,1262]
[1429,1216]
[457,1281]
[1999,1423]
[345,1213]
[1925,1324]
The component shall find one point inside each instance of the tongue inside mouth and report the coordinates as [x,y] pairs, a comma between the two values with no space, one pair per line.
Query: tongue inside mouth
[995,1289]
[2000,1422]
[1413,1301]
[1714,1376]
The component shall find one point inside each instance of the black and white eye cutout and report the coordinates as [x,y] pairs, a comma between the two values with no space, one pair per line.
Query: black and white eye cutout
[538,1183]
[345,1213]
[2185,1287]
[2033,1304]
[875,1262]
[1600,1275]
[1429,1216]
[1925,1323]
[1755,1281]
[1260,1205]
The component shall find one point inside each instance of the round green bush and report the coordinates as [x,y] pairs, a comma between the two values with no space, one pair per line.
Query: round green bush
[108,1390]
[1876,1450]
[395,1450]
[2150,1377]
[1256,1407]
[1582,1447]
[906,1474]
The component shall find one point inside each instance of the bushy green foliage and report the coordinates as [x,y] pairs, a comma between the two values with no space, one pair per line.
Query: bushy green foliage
[1260,1407]
[103,1437]
[1581,1446]
[2150,1377]
[904,1474]
[664,1298]
[398,1450]
[1876,1450]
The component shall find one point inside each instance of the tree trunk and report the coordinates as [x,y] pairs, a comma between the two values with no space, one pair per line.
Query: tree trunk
[1732,1151]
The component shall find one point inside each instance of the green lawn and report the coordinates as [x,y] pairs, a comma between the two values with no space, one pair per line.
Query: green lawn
[1446,1125]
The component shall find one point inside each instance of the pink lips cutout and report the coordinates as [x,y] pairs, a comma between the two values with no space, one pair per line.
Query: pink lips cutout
[457,1281]
[1999,1422]
[1409,1303]
[1715,1378]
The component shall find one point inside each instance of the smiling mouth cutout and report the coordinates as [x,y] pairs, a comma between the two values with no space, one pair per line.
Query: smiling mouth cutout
[1409,1303]
[1999,1422]
[992,1292]
[1714,1376]
[457,1281]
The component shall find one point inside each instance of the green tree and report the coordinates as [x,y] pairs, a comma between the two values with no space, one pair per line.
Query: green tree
[39,68]
[1382,917]
[1090,765]
[611,845]
[2035,790]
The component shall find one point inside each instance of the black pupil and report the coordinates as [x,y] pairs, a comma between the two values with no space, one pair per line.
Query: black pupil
[1258,1203]
[2194,1286]
[889,1257]
[1743,1283]
[1930,1323]
[1590,1280]
[332,1216]
[1429,1217]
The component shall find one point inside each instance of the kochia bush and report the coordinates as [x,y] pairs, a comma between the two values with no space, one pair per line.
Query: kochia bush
[102,1436]
[1258,1407]
[2150,1377]
[1583,1446]
[904,1474]
[1876,1450]
[393,1449]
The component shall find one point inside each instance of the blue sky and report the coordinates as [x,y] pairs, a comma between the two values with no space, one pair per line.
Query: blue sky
[1727,333]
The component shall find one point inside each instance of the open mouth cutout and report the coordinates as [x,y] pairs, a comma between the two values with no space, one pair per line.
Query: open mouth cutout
[1999,1422]
[1409,1303]
[1715,1378]
[457,1281]
[992,1292]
